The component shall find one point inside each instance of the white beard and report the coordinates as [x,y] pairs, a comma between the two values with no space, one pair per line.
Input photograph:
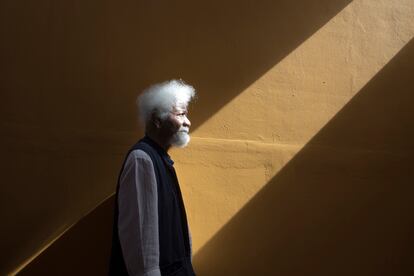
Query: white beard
[181,138]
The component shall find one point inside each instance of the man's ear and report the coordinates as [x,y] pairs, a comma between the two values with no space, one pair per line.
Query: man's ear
[155,120]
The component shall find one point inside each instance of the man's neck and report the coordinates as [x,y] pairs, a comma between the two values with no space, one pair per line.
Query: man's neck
[162,142]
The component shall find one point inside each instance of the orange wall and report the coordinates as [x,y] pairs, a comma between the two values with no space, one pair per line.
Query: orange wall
[301,156]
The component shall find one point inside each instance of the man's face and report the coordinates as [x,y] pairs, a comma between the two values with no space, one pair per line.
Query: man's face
[177,125]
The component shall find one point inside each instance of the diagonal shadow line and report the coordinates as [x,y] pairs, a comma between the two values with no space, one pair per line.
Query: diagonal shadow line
[343,205]
[233,43]
[221,47]
[82,250]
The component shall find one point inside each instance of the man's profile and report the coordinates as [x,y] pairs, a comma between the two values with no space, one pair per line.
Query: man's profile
[150,233]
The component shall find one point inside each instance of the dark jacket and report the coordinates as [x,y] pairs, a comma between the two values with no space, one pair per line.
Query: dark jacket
[175,251]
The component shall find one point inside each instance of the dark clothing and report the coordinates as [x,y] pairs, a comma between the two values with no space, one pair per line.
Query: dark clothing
[174,243]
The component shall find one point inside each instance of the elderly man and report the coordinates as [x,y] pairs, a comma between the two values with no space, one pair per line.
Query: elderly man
[151,235]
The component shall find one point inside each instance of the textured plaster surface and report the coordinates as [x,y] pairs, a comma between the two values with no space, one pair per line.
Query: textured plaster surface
[246,143]
[220,175]
[295,98]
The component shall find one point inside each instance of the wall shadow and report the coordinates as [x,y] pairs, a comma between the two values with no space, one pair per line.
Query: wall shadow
[82,250]
[77,67]
[343,205]
[103,54]
[219,47]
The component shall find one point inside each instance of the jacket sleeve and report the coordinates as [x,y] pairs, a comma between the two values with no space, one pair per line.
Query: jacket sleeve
[138,215]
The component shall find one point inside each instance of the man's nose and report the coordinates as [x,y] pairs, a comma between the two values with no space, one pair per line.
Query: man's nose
[187,122]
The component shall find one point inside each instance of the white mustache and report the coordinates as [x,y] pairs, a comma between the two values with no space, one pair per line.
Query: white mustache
[184,129]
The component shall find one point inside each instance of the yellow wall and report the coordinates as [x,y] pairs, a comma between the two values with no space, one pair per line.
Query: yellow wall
[301,156]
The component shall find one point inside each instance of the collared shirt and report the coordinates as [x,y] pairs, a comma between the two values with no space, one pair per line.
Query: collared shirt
[138,215]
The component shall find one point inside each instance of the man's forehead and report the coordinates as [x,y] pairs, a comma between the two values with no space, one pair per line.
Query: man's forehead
[180,108]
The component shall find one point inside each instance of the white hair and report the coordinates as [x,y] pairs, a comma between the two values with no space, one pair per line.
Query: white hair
[161,98]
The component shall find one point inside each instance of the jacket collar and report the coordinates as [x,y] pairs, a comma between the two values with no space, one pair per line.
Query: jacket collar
[162,152]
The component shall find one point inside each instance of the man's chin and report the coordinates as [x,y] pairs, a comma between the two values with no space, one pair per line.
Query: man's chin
[180,140]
